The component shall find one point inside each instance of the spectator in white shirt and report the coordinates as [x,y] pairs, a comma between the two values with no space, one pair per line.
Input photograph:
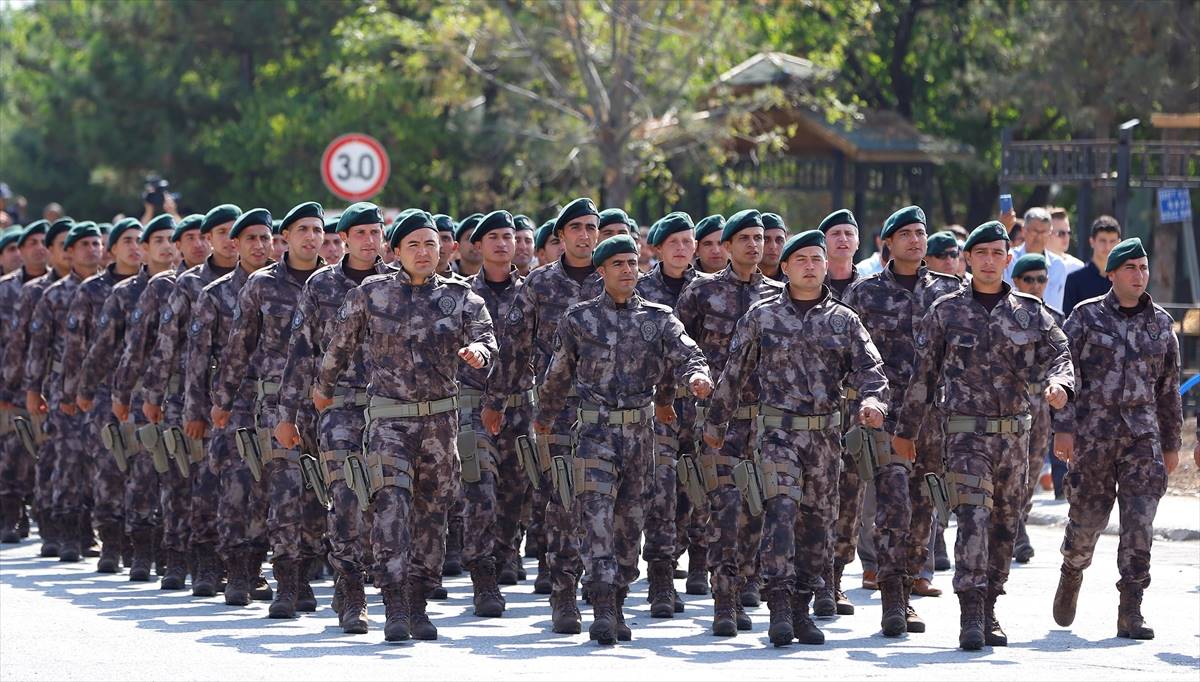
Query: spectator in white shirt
[1060,238]
[1037,231]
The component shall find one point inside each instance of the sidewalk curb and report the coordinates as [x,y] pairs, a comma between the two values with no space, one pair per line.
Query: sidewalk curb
[1041,518]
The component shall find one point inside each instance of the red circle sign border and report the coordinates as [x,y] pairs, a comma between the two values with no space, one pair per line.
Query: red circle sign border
[371,142]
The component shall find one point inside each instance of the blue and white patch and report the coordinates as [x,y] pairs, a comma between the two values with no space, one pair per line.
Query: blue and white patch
[237,312]
[343,312]
[72,322]
[167,315]
[195,328]
[35,325]
[921,340]
[297,320]
[446,304]
[103,322]
[137,314]
[515,315]
[16,322]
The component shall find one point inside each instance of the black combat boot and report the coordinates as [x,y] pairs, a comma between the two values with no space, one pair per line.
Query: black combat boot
[1130,623]
[10,517]
[237,589]
[48,531]
[845,607]
[993,634]
[287,578]
[779,602]
[970,635]
[489,603]
[912,621]
[452,563]
[143,556]
[604,626]
[542,583]
[697,574]
[624,634]
[806,630]
[112,539]
[1067,596]
[306,600]
[421,627]
[824,600]
[352,614]
[260,589]
[564,612]
[661,592]
[724,613]
[69,550]
[894,621]
[395,604]
[206,572]
[751,595]
[176,576]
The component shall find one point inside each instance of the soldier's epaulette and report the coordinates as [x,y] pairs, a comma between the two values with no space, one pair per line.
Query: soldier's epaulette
[1054,311]
[580,305]
[949,297]
[373,279]
[211,286]
[943,275]
[163,275]
[458,281]
[836,301]
[1029,299]
[657,306]
[1091,301]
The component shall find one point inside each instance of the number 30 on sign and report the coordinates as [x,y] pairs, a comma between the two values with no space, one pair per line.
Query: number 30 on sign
[355,167]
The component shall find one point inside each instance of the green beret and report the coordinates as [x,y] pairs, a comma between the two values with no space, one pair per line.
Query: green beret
[251,218]
[612,216]
[1126,250]
[276,226]
[361,213]
[543,234]
[219,215]
[10,236]
[308,209]
[467,226]
[496,220]
[412,219]
[740,221]
[60,226]
[82,230]
[331,225]
[575,210]
[523,222]
[841,216]
[799,241]
[1030,262]
[614,245]
[991,231]
[668,225]
[905,216]
[713,223]
[634,230]
[104,228]
[165,221]
[124,225]
[444,223]
[36,227]
[773,221]
[191,222]
[941,242]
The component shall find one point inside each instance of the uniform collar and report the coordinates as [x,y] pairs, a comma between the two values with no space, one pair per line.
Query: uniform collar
[756,277]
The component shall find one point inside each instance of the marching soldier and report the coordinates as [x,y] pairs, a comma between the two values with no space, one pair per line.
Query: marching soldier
[890,303]
[711,257]
[802,347]
[523,253]
[1121,435]
[775,233]
[709,309]
[419,326]
[615,350]
[547,246]
[985,349]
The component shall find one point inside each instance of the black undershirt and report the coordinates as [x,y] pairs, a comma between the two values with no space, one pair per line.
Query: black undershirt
[804,306]
[1130,312]
[496,287]
[673,284]
[219,271]
[988,301]
[300,275]
[907,281]
[357,276]
[839,285]
[579,274]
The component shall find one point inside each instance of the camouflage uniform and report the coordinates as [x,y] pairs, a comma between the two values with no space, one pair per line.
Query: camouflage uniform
[255,353]
[85,318]
[988,364]
[709,309]
[528,341]
[16,466]
[241,505]
[615,355]
[903,510]
[801,360]
[70,457]
[1127,414]
[414,333]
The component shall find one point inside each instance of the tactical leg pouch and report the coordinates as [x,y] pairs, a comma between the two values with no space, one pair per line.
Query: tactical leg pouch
[314,478]
[30,434]
[940,498]
[748,480]
[358,480]
[708,467]
[692,481]
[771,471]
[562,479]
[958,497]
[247,446]
[475,456]
[527,451]
[588,484]
[402,477]
[151,438]
[114,436]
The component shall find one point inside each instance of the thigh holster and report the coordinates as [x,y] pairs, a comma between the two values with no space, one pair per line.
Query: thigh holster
[978,494]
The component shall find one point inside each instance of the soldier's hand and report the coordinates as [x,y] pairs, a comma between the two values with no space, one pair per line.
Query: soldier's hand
[701,385]
[712,441]
[35,403]
[870,416]
[1056,396]
[68,409]
[288,435]
[195,430]
[540,428]
[153,413]
[1064,446]
[220,418]
[665,413]
[120,410]
[905,448]
[84,404]
[493,420]
[320,401]
[472,357]
[1171,459]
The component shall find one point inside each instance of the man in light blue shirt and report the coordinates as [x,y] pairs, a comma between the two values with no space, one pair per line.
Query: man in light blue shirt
[1037,232]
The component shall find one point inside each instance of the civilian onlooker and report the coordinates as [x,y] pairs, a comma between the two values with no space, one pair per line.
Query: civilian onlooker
[1037,231]
[1060,238]
[875,262]
[52,212]
[1089,281]
[1017,233]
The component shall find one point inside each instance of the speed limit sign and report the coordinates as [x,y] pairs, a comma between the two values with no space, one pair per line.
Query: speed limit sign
[355,167]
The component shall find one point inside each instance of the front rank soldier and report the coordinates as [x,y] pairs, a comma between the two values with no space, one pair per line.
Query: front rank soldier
[1123,433]
[803,347]
[985,349]
[419,326]
[615,349]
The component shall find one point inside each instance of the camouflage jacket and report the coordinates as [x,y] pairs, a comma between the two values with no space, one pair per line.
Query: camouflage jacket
[257,345]
[891,314]
[614,355]
[653,287]
[140,334]
[211,318]
[414,333]
[47,339]
[84,318]
[711,306]
[17,305]
[169,357]
[801,360]
[854,277]
[312,327]
[498,304]
[984,362]
[119,312]
[528,340]
[1127,372]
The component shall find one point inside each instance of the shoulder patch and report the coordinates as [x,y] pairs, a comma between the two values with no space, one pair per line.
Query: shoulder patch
[921,340]
[838,322]
[167,315]
[237,312]
[514,315]
[35,325]
[1023,317]
[103,321]
[72,322]
[297,319]
[446,304]
[195,328]
[649,330]
[137,314]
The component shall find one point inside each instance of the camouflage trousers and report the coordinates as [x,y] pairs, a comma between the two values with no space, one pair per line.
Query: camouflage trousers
[535,531]
[74,456]
[1125,470]
[492,514]
[1040,437]
[241,502]
[663,498]
[850,491]
[339,434]
[175,492]
[984,547]
[733,533]
[903,510]
[611,498]
[16,466]
[43,480]
[408,533]
[563,558]
[798,518]
[141,487]
[108,481]
[295,519]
